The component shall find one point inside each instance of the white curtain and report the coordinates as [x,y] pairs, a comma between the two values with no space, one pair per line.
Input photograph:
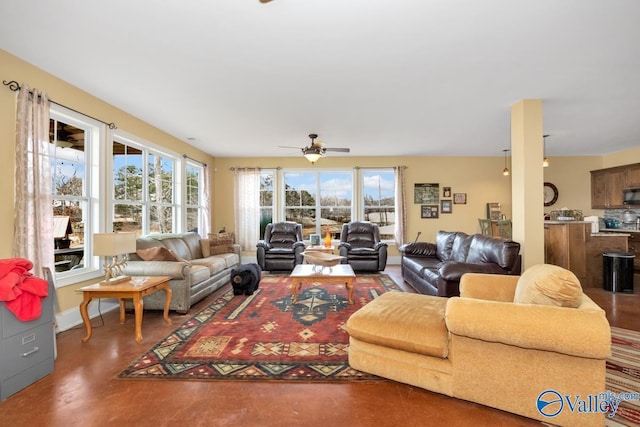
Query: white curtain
[247,207]
[206,203]
[400,231]
[33,212]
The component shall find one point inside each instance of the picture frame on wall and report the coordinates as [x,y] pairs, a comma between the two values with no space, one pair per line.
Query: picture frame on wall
[445,206]
[459,198]
[426,193]
[315,239]
[446,192]
[429,211]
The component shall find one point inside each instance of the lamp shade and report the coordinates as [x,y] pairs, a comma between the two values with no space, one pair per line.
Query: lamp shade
[112,244]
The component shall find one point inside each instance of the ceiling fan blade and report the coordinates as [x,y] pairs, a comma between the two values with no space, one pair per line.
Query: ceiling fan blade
[286,146]
[339,150]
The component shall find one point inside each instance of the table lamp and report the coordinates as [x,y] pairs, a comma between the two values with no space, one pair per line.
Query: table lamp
[117,246]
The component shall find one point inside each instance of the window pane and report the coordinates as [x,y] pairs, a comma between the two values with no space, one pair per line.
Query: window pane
[266,200]
[127,217]
[160,179]
[379,200]
[68,234]
[306,217]
[193,186]
[192,220]
[67,158]
[161,219]
[127,172]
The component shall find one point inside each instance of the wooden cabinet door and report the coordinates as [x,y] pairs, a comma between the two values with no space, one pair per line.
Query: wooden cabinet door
[616,183]
[598,190]
[633,176]
[557,250]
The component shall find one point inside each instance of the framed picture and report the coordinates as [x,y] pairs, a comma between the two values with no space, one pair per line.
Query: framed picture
[445,206]
[446,192]
[429,211]
[426,194]
[315,239]
[460,198]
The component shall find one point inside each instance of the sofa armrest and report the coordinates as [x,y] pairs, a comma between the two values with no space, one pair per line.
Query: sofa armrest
[574,331]
[174,269]
[419,249]
[453,270]
[379,245]
[494,287]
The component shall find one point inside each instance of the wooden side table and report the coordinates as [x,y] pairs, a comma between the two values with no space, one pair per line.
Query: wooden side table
[122,291]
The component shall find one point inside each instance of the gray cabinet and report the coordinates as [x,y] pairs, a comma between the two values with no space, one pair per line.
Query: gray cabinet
[26,348]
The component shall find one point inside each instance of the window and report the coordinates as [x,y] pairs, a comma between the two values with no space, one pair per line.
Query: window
[144,188]
[378,199]
[74,147]
[267,180]
[194,187]
[320,201]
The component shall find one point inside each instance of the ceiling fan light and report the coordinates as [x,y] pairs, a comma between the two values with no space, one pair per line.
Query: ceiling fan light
[312,156]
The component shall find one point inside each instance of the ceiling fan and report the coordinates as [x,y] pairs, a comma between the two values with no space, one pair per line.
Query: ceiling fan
[315,151]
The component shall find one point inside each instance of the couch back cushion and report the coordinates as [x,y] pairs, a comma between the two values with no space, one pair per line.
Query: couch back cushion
[283,234]
[486,249]
[460,248]
[444,244]
[192,241]
[547,284]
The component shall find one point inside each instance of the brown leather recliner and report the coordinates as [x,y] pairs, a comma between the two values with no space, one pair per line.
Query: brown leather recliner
[436,268]
[361,246]
[282,247]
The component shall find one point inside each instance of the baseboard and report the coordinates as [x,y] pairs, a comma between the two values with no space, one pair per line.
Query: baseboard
[71,318]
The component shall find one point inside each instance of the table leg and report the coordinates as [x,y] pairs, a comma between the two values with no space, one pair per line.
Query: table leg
[349,286]
[122,315]
[294,290]
[138,307]
[85,318]
[168,293]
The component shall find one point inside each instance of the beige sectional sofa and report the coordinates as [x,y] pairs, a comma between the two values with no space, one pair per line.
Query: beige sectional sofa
[195,273]
[503,343]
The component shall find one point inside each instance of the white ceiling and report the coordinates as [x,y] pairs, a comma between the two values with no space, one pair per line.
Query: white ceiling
[393,77]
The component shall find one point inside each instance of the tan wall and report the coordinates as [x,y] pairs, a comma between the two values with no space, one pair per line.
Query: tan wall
[13,68]
[479,177]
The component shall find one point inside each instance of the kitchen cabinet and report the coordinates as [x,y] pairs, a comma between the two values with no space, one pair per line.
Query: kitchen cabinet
[607,186]
[633,176]
[571,245]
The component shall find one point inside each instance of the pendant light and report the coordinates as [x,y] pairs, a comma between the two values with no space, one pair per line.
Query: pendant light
[545,160]
[505,171]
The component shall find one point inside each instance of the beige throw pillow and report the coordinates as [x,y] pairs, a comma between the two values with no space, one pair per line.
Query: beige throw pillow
[220,243]
[547,284]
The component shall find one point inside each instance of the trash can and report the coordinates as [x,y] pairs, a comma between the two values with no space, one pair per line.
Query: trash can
[617,270]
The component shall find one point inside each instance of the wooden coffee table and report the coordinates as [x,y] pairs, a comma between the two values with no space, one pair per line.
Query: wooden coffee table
[122,291]
[308,273]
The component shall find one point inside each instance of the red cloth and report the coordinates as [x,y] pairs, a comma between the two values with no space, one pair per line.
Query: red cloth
[21,291]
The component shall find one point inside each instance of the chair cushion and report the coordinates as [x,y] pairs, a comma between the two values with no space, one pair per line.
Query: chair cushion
[547,284]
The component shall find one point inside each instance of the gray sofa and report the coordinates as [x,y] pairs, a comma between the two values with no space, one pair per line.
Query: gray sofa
[193,277]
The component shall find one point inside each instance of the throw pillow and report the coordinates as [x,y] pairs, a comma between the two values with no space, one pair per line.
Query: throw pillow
[159,253]
[221,243]
[547,284]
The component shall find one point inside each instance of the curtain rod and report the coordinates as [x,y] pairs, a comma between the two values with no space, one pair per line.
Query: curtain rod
[194,160]
[14,86]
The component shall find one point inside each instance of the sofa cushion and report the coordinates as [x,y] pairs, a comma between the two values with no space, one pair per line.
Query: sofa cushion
[486,249]
[444,243]
[404,321]
[460,248]
[159,253]
[215,264]
[547,284]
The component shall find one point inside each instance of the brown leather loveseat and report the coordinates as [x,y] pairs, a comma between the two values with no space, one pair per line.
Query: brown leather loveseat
[436,268]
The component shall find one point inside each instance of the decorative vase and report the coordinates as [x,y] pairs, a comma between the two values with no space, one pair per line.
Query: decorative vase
[327,239]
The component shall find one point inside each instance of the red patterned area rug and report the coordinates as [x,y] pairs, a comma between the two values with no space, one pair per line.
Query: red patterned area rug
[623,376]
[264,337]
